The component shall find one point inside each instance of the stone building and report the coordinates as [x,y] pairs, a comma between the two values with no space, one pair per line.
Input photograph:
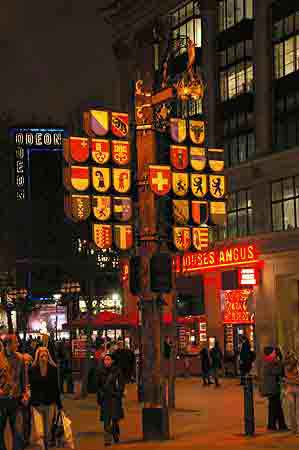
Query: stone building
[248,53]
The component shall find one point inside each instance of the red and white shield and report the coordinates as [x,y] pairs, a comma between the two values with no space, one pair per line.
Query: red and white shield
[179,157]
[160,179]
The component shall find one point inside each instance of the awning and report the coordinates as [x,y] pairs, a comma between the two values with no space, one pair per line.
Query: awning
[112,320]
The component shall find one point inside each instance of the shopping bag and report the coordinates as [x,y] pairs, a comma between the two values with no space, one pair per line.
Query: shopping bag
[57,430]
[67,440]
[37,430]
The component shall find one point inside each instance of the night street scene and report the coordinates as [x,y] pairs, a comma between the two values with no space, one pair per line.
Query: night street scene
[149,224]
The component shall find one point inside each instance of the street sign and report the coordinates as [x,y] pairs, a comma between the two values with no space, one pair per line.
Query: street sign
[79,348]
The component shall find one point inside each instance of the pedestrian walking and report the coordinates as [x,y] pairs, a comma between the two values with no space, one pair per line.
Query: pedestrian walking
[27,358]
[110,391]
[291,392]
[13,385]
[216,356]
[247,357]
[272,373]
[205,366]
[45,395]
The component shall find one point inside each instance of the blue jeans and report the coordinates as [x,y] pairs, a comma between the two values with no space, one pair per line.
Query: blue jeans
[10,414]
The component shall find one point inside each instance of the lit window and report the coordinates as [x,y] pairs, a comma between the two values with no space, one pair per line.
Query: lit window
[286,48]
[236,72]
[231,12]
[285,203]
[186,22]
[239,214]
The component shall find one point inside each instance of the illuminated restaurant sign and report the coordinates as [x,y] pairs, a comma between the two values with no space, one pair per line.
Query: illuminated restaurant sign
[247,276]
[220,258]
[234,306]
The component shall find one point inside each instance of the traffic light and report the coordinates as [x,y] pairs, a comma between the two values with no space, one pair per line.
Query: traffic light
[135,275]
[161,272]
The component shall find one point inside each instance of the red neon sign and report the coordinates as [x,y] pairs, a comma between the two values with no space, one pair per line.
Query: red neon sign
[235,306]
[247,276]
[217,259]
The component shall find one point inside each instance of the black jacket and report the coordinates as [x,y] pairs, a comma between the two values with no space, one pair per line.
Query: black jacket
[44,390]
[110,389]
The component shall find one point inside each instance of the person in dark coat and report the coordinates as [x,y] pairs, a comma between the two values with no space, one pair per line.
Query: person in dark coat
[110,390]
[216,362]
[205,366]
[45,395]
[246,359]
[272,373]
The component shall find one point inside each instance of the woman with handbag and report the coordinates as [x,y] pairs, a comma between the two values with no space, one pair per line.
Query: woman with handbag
[45,395]
[110,390]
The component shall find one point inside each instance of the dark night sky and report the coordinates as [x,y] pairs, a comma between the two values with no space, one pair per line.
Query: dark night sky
[54,55]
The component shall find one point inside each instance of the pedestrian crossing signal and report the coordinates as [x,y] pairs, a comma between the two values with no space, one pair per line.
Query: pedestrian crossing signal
[161,273]
[135,275]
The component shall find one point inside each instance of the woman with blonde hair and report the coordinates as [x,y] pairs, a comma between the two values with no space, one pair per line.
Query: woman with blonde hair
[45,395]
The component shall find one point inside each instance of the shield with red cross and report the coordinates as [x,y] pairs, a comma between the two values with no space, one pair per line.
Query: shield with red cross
[160,179]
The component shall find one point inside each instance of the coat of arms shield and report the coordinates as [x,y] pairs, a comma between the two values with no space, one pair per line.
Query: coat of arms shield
[179,157]
[101,207]
[160,179]
[100,150]
[178,130]
[121,180]
[200,212]
[120,124]
[102,235]
[200,238]
[80,205]
[197,131]
[123,236]
[180,183]
[122,208]
[80,177]
[216,159]
[218,212]
[199,185]
[198,158]
[217,185]
[182,237]
[101,179]
[180,210]
[121,152]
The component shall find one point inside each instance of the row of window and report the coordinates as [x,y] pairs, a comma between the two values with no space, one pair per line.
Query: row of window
[184,13]
[285,204]
[230,12]
[284,210]
[186,22]
[237,121]
[240,51]
[286,57]
[236,80]
[286,132]
[287,103]
[239,149]
[286,26]
[188,108]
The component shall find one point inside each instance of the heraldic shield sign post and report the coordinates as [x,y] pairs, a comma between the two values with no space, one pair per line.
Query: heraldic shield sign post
[192,179]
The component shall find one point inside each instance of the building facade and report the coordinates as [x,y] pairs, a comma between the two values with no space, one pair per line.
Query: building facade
[248,54]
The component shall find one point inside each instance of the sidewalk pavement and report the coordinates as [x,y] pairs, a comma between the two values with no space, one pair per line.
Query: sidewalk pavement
[205,418]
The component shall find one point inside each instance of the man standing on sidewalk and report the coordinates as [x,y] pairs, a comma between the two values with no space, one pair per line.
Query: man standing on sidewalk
[18,393]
